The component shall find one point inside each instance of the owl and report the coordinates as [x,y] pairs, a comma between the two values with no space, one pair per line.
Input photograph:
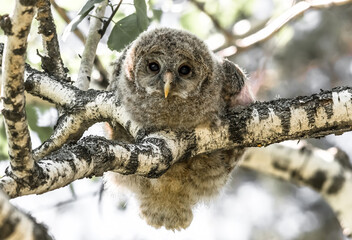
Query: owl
[169,79]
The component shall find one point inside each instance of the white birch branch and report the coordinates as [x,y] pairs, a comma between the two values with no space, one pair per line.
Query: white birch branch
[16,225]
[17,29]
[276,24]
[328,112]
[51,61]
[154,152]
[321,170]
[90,47]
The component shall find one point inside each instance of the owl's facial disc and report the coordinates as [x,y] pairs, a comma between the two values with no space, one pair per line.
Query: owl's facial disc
[169,76]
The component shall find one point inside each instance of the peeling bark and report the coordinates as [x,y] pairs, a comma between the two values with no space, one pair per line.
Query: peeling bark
[52,61]
[6,24]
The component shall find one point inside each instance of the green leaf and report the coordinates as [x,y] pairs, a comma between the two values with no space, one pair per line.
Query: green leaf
[73,24]
[85,10]
[193,19]
[88,7]
[141,12]
[124,32]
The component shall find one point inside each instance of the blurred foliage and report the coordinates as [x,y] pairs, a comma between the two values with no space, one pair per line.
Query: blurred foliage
[229,11]
[33,114]
[316,55]
[226,12]
[194,15]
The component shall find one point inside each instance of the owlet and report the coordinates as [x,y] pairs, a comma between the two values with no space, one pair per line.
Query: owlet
[169,79]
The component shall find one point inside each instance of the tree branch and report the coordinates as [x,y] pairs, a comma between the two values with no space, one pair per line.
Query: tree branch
[307,166]
[260,124]
[12,94]
[91,156]
[90,47]
[238,45]
[52,61]
[63,14]
[16,225]
[109,20]
[154,152]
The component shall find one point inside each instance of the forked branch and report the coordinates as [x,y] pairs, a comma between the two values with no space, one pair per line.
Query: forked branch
[154,152]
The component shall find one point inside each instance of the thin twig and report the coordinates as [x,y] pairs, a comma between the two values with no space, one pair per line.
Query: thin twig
[90,47]
[276,24]
[63,14]
[99,66]
[107,22]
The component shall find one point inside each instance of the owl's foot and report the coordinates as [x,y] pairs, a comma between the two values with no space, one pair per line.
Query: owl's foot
[175,217]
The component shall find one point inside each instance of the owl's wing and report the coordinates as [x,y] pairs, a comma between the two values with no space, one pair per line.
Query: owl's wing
[235,89]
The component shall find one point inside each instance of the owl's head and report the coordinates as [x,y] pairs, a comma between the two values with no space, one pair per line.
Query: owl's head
[169,63]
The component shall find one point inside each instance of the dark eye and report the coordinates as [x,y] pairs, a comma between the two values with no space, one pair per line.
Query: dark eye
[154,67]
[184,70]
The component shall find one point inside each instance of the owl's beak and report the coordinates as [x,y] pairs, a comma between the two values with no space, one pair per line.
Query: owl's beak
[167,83]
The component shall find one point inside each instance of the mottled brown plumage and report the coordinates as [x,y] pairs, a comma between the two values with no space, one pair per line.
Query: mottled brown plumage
[169,78]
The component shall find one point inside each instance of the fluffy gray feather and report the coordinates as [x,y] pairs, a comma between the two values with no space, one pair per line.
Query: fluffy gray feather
[169,78]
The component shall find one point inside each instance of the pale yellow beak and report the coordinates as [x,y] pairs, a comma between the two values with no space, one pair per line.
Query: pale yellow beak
[167,81]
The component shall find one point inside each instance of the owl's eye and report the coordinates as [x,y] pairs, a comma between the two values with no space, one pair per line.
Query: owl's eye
[154,67]
[184,70]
